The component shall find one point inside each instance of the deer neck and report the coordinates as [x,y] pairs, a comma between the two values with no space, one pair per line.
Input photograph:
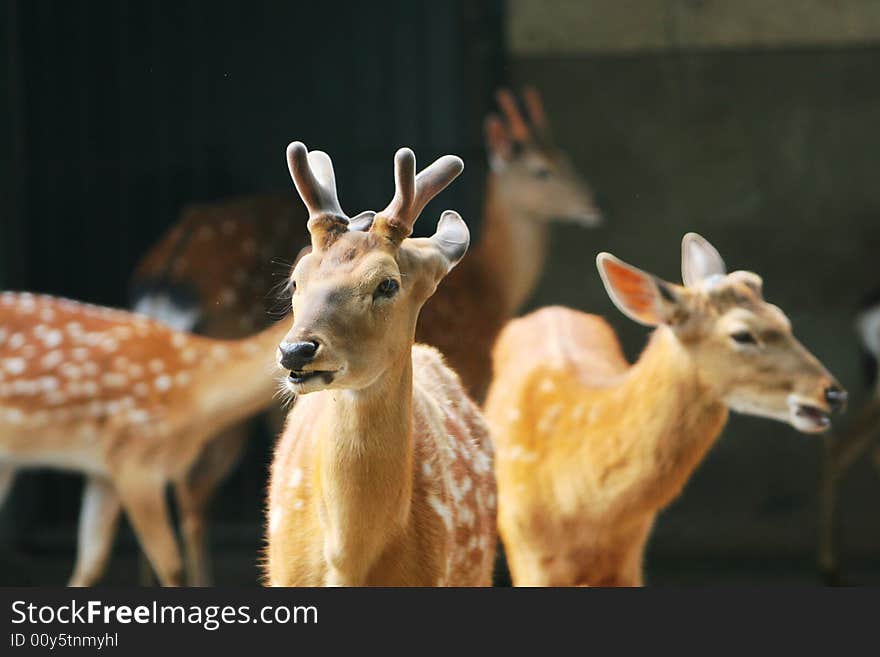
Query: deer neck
[513,243]
[366,452]
[678,418]
[239,377]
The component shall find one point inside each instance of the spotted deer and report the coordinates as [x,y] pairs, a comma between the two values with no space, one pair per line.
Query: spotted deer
[590,448]
[383,475]
[211,272]
[844,449]
[128,402]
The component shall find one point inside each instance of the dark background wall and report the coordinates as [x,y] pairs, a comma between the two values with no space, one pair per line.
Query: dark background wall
[121,112]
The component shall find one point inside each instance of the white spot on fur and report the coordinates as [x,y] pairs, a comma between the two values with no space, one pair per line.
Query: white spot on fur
[52,360]
[113,380]
[14,365]
[441,510]
[162,383]
[13,415]
[52,338]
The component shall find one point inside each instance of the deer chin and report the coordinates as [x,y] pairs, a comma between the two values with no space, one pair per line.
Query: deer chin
[806,416]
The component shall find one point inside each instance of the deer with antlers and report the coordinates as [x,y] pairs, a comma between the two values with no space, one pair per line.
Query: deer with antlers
[531,183]
[590,448]
[126,401]
[211,271]
[383,475]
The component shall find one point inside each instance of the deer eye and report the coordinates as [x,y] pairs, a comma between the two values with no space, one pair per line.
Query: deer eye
[541,173]
[743,337]
[386,289]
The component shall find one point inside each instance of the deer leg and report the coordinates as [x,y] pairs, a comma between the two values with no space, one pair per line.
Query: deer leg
[7,478]
[195,493]
[839,454]
[828,525]
[144,501]
[97,528]
[192,525]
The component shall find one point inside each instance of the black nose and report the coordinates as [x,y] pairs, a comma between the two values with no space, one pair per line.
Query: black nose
[296,355]
[836,397]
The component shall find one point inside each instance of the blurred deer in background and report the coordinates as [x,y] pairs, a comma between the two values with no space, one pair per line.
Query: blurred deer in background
[128,402]
[383,475]
[844,449]
[216,272]
[590,448]
[531,183]
[210,273]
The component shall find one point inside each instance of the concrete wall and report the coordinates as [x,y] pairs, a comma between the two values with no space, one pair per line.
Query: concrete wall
[772,154]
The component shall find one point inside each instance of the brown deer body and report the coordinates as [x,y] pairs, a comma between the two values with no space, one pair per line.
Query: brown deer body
[590,448]
[383,475]
[128,402]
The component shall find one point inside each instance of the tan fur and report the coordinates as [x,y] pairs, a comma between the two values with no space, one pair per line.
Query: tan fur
[383,475]
[123,399]
[589,449]
[421,515]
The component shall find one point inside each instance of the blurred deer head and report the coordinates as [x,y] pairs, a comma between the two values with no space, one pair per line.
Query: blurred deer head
[356,297]
[532,173]
[741,346]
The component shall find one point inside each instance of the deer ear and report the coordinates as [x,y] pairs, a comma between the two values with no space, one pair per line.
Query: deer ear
[498,142]
[639,295]
[699,260]
[452,238]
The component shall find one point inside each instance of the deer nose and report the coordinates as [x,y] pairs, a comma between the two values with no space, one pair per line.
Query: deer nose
[836,397]
[296,355]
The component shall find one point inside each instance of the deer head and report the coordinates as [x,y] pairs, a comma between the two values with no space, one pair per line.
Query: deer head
[741,346]
[356,296]
[531,172]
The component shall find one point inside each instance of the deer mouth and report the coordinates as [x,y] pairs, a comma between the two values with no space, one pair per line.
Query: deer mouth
[300,377]
[809,418]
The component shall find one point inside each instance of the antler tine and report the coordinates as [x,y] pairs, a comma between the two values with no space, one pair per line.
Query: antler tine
[315,181]
[535,108]
[398,211]
[412,193]
[435,179]
[519,129]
